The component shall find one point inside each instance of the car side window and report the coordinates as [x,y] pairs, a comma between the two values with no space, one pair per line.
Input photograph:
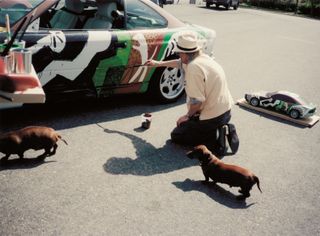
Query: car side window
[141,16]
[277,97]
[283,98]
[15,13]
[289,99]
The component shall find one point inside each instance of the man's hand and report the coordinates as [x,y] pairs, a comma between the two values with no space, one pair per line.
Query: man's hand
[175,63]
[152,63]
[182,119]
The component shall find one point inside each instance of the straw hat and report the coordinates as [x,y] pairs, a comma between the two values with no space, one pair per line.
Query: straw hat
[187,43]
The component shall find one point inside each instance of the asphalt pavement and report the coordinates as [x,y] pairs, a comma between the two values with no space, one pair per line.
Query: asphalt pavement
[114,178]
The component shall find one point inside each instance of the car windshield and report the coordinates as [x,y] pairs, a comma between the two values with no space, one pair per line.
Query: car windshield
[155,1]
[16,9]
[300,100]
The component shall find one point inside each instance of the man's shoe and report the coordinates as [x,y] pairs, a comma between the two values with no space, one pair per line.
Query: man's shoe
[233,138]
[222,148]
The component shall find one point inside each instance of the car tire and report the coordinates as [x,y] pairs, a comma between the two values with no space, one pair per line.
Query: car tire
[227,6]
[254,102]
[217,6]
[294,114]
[207,5]
[167,84]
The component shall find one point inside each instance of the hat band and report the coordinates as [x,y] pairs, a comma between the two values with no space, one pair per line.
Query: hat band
[186,49]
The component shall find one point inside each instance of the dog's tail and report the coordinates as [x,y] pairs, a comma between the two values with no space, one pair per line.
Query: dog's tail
[256,179]
[59,137]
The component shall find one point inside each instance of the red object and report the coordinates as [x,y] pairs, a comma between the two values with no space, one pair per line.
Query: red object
[18,82]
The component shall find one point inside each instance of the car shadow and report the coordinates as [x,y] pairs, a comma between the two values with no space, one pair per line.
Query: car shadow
[149,159]
[64,115]
[26,163]
[214,8]
[214,191]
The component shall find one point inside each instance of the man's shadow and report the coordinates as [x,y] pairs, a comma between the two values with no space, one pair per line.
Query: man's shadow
[150,160]
[213,191]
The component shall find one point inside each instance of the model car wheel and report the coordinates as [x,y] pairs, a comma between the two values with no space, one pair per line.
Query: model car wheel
[254,102]
[295,114]
[167,85]
[235,7]
[208,5]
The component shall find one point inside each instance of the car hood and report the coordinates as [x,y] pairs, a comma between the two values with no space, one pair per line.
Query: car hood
[309,106]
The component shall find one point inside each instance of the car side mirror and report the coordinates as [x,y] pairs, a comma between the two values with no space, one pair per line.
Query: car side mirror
[118,17]
[116,14]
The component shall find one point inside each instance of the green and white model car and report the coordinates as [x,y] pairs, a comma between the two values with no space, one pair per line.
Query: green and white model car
[282,101]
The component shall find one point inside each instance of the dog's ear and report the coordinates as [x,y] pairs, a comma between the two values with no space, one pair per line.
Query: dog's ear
[196,153]
[191,154]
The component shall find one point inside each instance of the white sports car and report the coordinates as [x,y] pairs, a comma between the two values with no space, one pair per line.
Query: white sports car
[93,48]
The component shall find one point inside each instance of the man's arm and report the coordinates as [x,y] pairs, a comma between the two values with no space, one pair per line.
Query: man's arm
[171,63]
[194,107]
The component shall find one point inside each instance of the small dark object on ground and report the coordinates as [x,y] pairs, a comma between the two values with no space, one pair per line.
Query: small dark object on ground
[146,120]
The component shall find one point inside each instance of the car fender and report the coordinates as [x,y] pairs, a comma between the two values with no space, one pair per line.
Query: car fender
[303,111]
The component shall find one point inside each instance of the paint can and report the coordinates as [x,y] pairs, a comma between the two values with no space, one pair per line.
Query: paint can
[21,60]
[146,119]
[5,64]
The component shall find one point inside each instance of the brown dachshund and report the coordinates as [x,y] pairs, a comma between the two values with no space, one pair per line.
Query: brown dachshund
[32,137]
[220,172]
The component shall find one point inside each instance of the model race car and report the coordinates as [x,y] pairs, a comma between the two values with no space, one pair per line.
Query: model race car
[282,101]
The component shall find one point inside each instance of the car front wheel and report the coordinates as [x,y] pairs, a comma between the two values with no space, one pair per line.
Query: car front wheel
[167,84]
[254,102]
[295,114]
[227,6]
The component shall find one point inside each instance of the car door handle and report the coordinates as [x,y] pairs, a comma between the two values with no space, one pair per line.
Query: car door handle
[120,44]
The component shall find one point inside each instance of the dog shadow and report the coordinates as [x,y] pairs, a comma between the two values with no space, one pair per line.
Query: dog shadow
[213,191]
[150,160]
[25,163]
